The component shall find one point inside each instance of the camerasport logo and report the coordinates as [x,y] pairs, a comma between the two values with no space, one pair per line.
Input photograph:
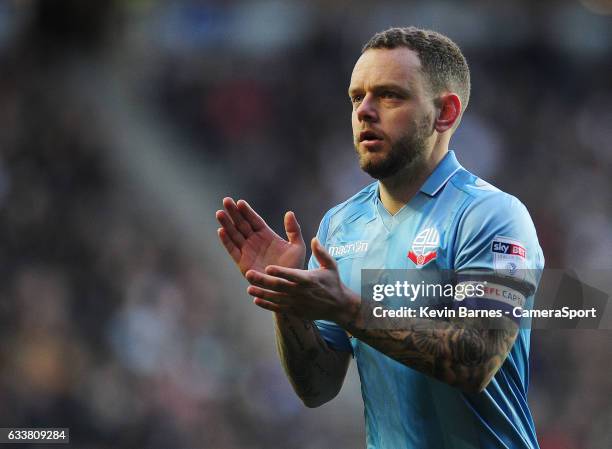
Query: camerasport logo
[424,247]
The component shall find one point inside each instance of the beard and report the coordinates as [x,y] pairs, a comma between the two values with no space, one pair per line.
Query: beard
[407,154]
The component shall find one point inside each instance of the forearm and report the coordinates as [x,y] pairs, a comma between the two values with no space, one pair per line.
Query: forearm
[315,370]
[462,353]
[465,353]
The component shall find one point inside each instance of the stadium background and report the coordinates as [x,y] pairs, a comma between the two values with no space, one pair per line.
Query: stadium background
[124,123]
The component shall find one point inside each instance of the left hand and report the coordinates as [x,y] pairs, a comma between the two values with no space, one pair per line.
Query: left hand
[309,294]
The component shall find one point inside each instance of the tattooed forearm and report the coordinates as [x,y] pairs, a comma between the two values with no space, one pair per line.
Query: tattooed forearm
[463,353]
[306,354]
[315,371]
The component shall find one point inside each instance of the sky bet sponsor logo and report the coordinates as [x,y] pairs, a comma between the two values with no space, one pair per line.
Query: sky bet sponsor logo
[508,248]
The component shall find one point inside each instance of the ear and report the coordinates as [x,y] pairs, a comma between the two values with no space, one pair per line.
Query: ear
[449,106]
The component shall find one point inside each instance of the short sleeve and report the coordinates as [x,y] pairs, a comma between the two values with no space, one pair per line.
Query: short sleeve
[335,337]
[496,241]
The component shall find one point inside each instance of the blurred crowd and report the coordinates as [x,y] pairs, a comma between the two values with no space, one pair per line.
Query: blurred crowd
[110,327]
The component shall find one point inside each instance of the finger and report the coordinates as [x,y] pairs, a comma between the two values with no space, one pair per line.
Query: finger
[241,224]
[249,214]
[233,233]
[230,247]
[292,228]
[270,282]
[291,274]
[270,306]
[322,256]
[268,295]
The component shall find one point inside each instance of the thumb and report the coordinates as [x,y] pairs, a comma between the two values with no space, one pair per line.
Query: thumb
[293,230]
[323,257]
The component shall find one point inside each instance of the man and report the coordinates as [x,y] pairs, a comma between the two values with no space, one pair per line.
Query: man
[426,383]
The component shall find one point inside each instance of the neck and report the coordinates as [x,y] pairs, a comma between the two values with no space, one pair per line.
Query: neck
[397,190]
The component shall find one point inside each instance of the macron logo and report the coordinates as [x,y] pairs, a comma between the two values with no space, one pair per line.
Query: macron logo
[349,249]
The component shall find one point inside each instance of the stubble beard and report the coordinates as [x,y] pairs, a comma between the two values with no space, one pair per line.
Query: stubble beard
[407,155]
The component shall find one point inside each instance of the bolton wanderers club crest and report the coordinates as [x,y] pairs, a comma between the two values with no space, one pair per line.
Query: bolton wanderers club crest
[424,247]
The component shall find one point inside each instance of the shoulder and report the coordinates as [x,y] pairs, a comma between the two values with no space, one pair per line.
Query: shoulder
[489,216]
[487,203]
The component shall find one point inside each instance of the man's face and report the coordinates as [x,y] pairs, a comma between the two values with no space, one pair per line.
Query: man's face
[393,112]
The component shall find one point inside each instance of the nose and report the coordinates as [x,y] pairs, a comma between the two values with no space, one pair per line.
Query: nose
[367,110]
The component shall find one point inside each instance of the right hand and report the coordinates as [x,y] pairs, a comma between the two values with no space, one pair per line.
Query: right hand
[252,244]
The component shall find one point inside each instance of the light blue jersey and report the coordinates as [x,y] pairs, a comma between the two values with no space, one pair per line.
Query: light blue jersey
[456,222]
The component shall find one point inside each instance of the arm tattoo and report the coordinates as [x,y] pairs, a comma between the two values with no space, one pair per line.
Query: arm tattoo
[309,363]
[464,353]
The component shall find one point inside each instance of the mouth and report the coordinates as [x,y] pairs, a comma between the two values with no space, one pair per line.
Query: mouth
[369,136]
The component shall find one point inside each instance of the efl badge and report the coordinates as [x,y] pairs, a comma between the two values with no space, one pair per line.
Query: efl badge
[424,247]
[509,257]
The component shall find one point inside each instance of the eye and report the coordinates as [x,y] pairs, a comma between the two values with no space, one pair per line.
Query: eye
[390,94]
[356,98]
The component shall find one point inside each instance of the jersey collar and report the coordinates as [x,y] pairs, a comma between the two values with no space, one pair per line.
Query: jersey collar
[445,169]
